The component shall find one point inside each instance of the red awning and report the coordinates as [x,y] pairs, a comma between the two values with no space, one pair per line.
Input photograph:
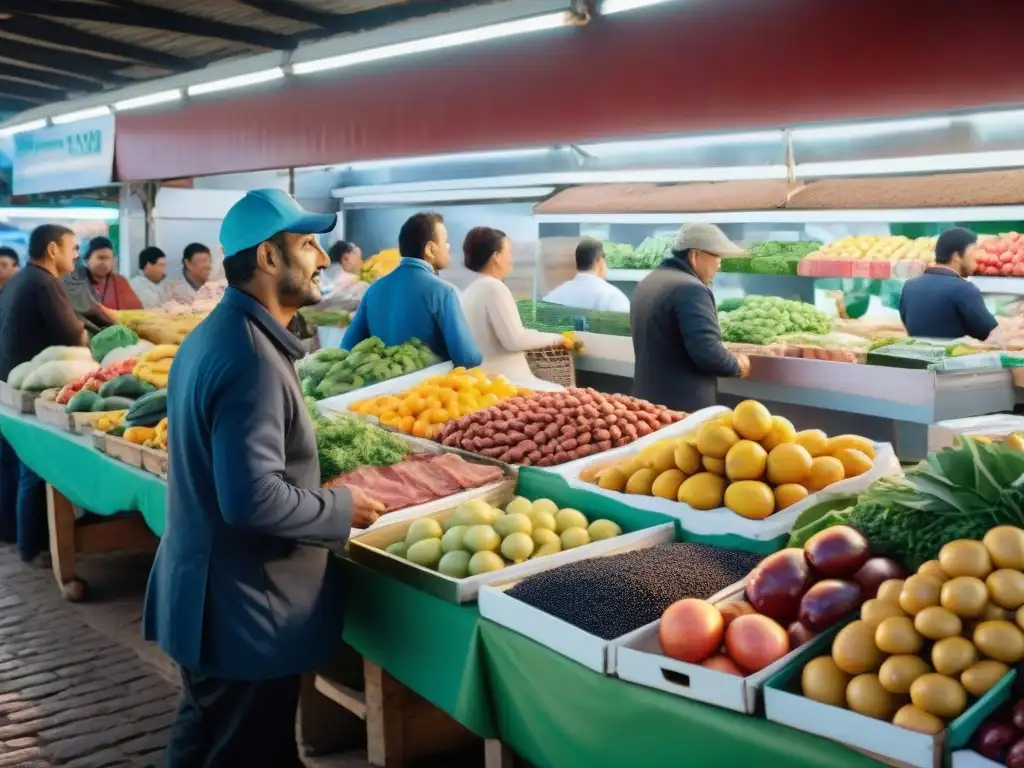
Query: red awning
[690,66]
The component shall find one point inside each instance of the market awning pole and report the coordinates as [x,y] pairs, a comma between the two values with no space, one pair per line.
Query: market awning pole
[790,157]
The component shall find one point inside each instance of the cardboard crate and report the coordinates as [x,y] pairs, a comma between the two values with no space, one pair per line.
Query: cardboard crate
[369,547]
[563,638]
[784,704]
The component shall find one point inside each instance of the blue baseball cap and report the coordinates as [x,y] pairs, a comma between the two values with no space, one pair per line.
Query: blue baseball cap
[263,213]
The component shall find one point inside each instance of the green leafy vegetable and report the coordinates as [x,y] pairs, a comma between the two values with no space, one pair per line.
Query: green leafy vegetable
[957,493]
[344,443]
[762,319]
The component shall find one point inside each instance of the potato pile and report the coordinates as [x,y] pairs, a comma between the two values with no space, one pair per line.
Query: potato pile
[925,646]
[550,428]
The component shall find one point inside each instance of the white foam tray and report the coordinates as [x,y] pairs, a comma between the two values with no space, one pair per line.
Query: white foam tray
[560,636]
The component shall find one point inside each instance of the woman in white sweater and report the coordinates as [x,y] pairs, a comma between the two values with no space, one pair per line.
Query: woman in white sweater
[491,310]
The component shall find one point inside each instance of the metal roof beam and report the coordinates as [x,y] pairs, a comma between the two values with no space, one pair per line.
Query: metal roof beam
[289,9]
[149,17]
[8,94]
[49,31]
[30,91]
[71,62]
[373,18]
[46,77]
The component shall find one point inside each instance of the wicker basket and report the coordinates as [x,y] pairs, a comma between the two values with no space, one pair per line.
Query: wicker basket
[554,364]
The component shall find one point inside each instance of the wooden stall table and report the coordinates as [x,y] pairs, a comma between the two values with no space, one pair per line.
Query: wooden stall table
[77,474]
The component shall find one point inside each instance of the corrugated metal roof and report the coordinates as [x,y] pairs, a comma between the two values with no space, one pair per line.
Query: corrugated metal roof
[62,49]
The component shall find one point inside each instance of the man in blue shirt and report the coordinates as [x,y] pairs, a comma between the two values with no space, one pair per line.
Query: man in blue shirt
[238,596]
[941,303]
[412,302]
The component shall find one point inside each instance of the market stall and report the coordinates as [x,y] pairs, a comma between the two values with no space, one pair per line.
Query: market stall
[538,545]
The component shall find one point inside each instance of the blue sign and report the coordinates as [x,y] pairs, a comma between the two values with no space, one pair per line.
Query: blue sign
[61,158]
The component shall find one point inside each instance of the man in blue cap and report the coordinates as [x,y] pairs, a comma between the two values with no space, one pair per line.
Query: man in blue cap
[238,596]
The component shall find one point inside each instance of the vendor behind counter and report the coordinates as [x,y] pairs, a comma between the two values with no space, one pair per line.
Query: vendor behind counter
[941,303]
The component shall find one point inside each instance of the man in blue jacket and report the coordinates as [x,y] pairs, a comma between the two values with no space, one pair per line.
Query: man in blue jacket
[941,303]
[239,596]
[412,302]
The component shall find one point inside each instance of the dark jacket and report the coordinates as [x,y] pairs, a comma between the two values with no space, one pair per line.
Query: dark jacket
[942,305]
[89,311]
[234,591]
[35,313]
[677,341]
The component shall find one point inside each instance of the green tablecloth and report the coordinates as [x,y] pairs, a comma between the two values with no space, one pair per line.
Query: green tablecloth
[554,712]
[88,478]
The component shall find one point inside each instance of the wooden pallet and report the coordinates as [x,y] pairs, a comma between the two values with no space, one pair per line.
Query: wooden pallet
[401,726]
[18,399]
[50,412]
[120,449]
[150,459]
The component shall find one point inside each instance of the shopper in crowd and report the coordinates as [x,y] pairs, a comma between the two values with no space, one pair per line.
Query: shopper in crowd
[35,313]
[348,256]
[196,266]
[149,284]
[941,303]
[99,269]
[346,260]
[590,288]
[677,342]
[239,596]
[491,309]
[412,302]
[9,264]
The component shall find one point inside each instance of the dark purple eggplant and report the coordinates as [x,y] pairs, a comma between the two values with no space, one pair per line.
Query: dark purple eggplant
[994,740]
[1015,755]
[838,552]
[777,584]
[827,602]
[874,572]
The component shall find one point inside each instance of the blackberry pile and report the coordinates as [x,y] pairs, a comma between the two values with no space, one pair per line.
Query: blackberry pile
[612,596]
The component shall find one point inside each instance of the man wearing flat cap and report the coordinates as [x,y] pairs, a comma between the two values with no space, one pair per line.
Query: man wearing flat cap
[677,341]
[242,595]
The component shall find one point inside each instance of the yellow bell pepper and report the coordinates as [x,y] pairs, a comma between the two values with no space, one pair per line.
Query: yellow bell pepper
[139,435]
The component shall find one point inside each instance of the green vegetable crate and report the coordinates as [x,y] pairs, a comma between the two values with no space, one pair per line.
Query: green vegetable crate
[784,704]
[640,529]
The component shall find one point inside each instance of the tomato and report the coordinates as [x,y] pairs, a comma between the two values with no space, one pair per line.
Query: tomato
[1006,269]
[691,630]
[723,664]
[756,641]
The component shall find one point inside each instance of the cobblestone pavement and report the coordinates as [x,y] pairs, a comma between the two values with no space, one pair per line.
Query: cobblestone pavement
[79,688]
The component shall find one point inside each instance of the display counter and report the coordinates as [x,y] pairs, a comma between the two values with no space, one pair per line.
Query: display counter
[894,405]
[549,709]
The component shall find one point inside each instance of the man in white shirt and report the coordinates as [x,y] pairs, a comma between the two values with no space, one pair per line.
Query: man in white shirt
[589,289]
[149,283]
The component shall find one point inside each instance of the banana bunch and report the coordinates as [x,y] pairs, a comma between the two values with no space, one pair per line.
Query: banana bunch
[155,365]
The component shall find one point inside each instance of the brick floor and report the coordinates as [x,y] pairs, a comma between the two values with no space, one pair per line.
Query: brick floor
[70,694]
[79,688]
